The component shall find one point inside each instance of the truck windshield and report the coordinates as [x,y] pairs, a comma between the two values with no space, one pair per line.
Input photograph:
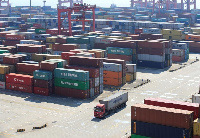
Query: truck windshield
[97,109]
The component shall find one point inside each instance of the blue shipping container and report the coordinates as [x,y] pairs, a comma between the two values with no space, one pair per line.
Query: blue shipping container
[159,131]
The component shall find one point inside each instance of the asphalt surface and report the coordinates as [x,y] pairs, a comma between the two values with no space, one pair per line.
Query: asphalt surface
[73,118]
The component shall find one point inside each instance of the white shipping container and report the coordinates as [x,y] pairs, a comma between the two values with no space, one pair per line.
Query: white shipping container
[101,88]
[91,92]
[96,81]
[179,45]
[2,85]
[130,68]
[177,52]
[196,98]
[112,67]
[147,57]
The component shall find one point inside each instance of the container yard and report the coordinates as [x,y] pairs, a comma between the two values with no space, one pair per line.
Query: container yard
[76,69]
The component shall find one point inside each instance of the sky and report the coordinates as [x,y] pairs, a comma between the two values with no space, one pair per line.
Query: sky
[102,3]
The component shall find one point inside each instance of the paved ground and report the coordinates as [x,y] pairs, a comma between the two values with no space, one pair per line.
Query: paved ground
[71,118]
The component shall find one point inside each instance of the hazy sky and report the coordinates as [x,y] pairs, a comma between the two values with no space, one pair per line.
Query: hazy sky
[53,3]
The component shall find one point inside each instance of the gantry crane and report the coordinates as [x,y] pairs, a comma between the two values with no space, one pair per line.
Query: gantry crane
[187,3]
[76,8]
[60,2]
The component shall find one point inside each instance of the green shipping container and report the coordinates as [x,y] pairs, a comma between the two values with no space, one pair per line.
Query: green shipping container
[138,136]
[74,84]
[40,31]
[42,75]
[71,74]
[120,51]
[4,51]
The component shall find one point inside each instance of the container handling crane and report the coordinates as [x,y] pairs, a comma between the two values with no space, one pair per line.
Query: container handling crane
[76,8]
[60,2]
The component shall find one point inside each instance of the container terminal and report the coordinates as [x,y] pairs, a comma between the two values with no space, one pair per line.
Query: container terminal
[81,70]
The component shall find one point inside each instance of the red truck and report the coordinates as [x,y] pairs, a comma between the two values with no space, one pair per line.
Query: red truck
[110,104]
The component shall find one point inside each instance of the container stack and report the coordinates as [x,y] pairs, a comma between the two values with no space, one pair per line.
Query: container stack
[72,83]
[19,82]
[112,74]
[178,55]
[43,78]
[124,50]
[3,71]
[160,122]
[120,53]
[95,68]
[151,54]
[130,72]
[183,46]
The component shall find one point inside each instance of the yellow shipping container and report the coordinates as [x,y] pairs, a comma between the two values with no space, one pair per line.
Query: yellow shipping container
[12,68]
[127,38]
[51,39]
[50,46]
[166,31]
[177,37]
[176,32]
[129,77]
[53,57]
[196,127]
[166,37]
[39,57]
[4,69]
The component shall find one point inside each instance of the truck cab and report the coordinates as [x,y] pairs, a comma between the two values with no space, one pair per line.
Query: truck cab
[99,111]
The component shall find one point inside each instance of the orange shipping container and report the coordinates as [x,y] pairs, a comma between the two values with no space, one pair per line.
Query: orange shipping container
[111,74]
[112,81]
[192,37]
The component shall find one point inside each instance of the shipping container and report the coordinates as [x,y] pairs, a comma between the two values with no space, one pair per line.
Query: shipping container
[158,130]
[174,104]
[162,115]
[19,87]
[74,84]
[42,75]
[19,79]
[71,74]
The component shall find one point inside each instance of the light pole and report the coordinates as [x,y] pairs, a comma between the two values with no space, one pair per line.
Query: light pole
[30,10]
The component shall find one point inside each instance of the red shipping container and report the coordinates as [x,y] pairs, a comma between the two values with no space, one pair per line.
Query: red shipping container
[49,66]
[19,79]
[138,31]
[11,60]
[42,91]
[43,83]
[66,55]
[74,93]
[10,42]
[174,104]
[19,87]
[86,61]
[37,25]
[170,116]
[93,72]
[14,37]
[196,136]
[64,47]
[52,31]
[123,57]
[27,68]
